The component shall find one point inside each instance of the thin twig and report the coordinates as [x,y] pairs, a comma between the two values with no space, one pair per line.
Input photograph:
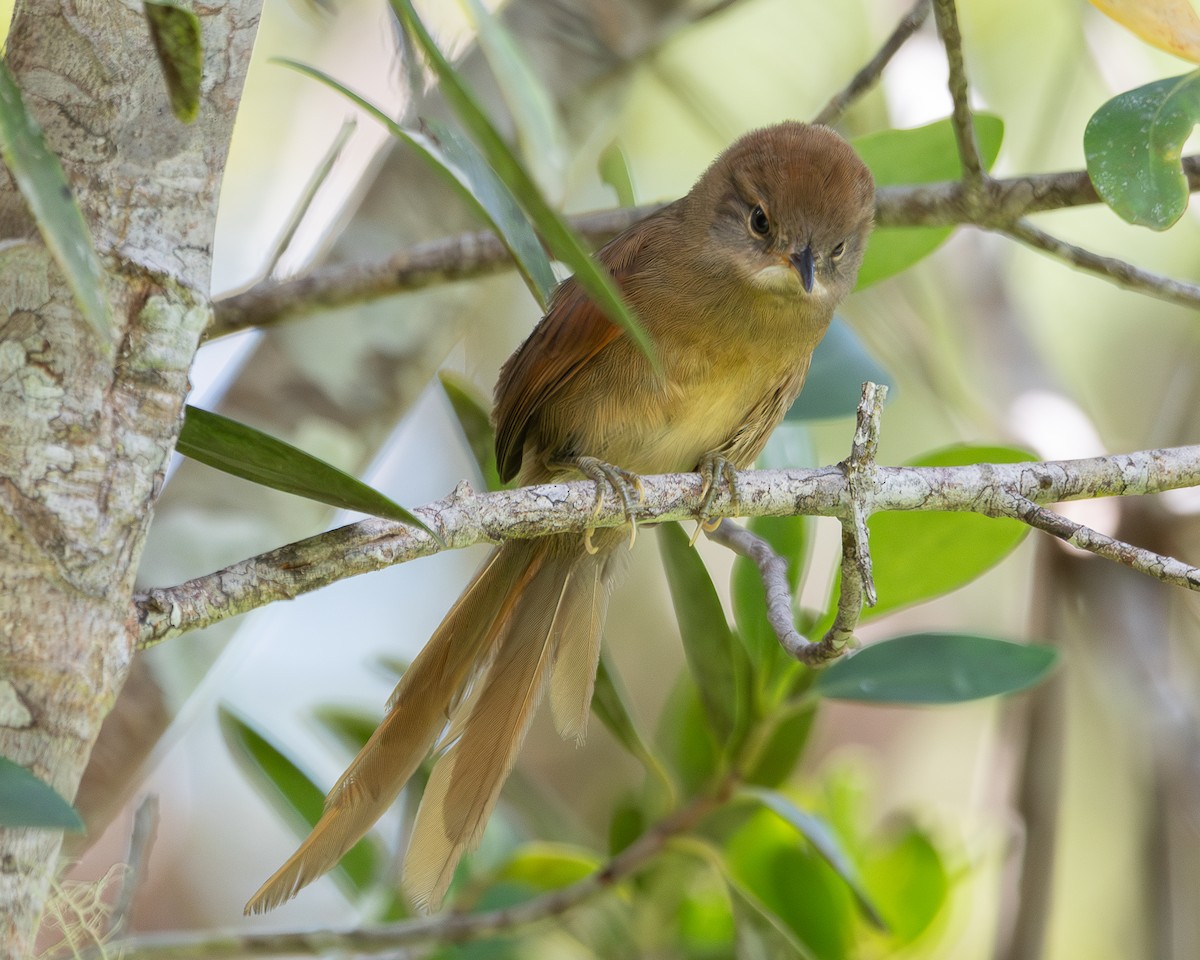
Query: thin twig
[477,254]
[773,571]
[858,583]
[1163,568]
[868,75]
[141,842]
[1118,271]
[974,175]
[466,518]
[442,929]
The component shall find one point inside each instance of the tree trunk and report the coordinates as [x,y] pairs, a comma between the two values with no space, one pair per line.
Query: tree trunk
[85,438]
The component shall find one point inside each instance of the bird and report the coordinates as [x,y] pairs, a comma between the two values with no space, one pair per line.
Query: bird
[735,284]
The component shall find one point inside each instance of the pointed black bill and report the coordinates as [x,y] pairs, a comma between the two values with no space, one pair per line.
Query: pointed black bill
[805,266]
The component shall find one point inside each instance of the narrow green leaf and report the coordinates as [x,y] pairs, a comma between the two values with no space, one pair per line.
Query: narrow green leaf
[539,132]
[476,423]
[295,796]
[686,737]
[456,159]
[609,704]
[841,364]
[933,668]
[176,35]
[614,170]
[1134,144]
[771,666]
[817,832]
[352,728]
[25,801]
[44,186]
[921,155]
[561,240]
[707,639]
[244,452]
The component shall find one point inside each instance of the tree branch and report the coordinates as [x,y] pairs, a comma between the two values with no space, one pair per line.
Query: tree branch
[868,75]
[974,176]
[466,518]
[443,928]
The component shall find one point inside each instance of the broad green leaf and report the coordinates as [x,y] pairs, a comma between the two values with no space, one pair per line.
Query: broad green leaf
[244,452]
[1134,144]
[934,668]
[176,35]
[25,801]
[841,364]
[539,132]
[909,881]
[548,866]
[1170,25]
[295,796]
[818,833]
[456,159]
[44,186]
[707,640]
[794,883]
[919,554]
[771,666]
[925,154]
[561,240]
[476,423]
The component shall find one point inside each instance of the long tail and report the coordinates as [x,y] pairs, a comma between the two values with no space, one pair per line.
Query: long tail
[532,603]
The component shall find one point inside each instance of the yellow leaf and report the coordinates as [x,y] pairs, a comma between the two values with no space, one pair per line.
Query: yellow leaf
[1170,25]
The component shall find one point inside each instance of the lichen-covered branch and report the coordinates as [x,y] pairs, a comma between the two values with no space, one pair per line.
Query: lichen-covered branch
[467,518]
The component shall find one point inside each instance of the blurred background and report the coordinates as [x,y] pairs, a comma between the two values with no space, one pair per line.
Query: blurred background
[1096,774]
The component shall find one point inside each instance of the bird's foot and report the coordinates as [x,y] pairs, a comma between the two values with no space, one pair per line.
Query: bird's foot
[627,486]
[715,469]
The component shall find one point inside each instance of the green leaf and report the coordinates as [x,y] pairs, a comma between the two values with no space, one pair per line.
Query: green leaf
[1134,144]
[934,668]
[909,881]
[777,758]
[614,171]
[925,154]
[841,364]
[824,841]
[918,555]
[707,640]
[686,736]
[772,668]
[295,796]
[44,186]
[244,452]
[539,132]
[610,705]
[548,866]
[794,883]
[456,160]
[176,35]
[352,728]
[476,423]
[561,240]
[25,801]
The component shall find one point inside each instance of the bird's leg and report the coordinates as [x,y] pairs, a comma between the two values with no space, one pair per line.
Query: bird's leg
[715,468]
[627,486]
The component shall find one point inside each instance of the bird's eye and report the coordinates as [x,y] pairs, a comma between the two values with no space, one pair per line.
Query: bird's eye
[759,222]
[837,251]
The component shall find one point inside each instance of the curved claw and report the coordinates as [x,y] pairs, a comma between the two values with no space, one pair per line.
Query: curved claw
[627,487]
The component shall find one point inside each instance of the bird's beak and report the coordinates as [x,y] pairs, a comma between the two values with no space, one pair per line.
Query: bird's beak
[803,261]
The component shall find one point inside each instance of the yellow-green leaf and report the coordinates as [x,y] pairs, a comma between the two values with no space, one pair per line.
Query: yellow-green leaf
[1170,25]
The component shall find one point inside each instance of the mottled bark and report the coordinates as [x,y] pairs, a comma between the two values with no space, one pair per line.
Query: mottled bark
[84,438]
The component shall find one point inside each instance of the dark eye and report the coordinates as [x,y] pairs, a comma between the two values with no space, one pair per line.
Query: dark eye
[838,251]
[759,222]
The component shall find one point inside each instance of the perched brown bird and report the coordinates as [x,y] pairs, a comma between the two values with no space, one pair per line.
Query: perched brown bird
[735,284]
